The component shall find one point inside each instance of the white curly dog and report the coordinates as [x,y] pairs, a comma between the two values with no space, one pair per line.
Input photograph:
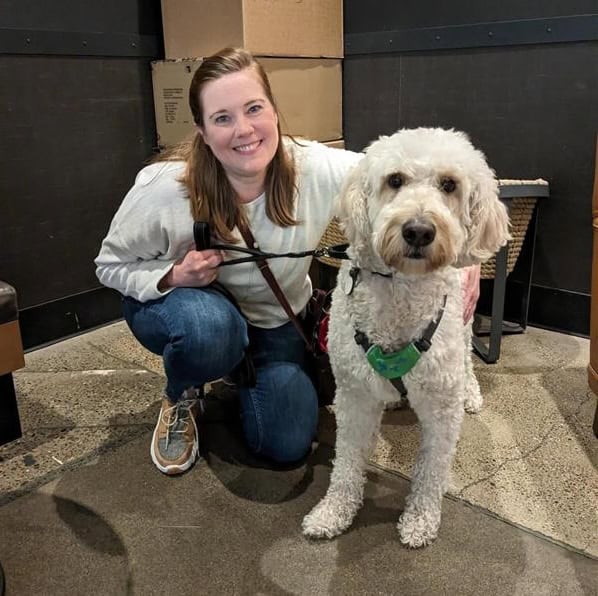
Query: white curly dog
[420,204]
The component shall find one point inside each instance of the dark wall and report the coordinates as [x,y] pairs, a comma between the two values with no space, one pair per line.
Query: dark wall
[77,124]
[389,15]
[531,107]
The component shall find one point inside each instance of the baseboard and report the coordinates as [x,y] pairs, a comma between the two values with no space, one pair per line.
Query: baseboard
[550,308]
[557,310]
[53,321]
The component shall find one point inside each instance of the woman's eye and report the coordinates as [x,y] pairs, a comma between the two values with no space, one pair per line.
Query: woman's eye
[221,119]
[448,185]
[255,108]
[395,181]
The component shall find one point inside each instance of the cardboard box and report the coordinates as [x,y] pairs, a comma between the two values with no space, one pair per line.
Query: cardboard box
[308,92]
[308,28]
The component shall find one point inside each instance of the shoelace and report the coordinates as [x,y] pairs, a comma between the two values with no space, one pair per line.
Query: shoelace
[180,412]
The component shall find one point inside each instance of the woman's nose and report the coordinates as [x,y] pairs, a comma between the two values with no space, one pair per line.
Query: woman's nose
[244,126]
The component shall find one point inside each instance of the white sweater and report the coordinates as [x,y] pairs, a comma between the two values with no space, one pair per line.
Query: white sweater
[153,228]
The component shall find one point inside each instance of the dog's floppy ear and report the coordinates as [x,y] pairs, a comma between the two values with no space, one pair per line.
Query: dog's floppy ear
[488,228]
[352,209]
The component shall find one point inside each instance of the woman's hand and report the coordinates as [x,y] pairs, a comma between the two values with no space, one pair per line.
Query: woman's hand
[195,270]
[470,285]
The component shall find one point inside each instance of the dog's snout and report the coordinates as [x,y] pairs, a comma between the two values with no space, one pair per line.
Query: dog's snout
[418,233]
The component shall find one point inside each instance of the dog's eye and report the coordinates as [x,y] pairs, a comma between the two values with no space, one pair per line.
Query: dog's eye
[395,181]
[448,185]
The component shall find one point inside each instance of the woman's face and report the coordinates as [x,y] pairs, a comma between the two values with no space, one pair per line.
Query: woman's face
[239,125]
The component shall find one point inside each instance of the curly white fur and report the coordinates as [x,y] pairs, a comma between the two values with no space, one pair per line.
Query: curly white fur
[436,179]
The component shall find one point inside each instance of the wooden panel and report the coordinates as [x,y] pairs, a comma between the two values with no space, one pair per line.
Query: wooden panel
[124,16]
[386,15]
[11,348]
[530,109]
[371,98]
[75,132]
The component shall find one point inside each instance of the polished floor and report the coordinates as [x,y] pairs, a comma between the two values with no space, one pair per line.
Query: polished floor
[81,504]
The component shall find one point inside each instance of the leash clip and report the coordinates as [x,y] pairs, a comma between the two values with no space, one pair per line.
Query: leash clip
[354,275]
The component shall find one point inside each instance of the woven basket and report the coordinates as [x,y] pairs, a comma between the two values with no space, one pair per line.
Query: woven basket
[332,235]
[520,214]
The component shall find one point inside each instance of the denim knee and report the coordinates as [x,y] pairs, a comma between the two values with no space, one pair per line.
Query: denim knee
[201,340]
[199,333]
[280,414]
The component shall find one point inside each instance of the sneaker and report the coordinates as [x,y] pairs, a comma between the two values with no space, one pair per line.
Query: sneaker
[174,443]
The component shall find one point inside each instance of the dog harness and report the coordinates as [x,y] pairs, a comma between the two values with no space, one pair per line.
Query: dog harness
[395,365]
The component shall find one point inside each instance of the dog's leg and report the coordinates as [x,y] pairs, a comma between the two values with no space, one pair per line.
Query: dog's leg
[358,419]
[473,396]
[420,520]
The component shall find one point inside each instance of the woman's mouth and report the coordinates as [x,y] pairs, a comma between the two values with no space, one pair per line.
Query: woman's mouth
[247,148]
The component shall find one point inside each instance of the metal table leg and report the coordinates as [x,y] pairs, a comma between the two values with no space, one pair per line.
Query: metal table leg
[491,352]
[533,225]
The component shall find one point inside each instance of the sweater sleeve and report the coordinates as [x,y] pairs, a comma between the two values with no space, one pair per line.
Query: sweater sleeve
[118,266]
[150,231]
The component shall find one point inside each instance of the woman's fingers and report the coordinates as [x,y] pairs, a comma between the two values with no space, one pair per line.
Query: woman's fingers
[197,268]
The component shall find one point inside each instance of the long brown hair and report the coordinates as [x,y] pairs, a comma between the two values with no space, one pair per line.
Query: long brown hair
[212,197]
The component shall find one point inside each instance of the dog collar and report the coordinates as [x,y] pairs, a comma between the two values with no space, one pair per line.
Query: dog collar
[355,273]
[394,365]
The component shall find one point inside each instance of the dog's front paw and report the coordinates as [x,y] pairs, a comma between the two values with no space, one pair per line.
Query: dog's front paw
[418,529]
[329,518]
[473,396]
[473,402]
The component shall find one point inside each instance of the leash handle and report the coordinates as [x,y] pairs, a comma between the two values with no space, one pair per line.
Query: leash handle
[201,235]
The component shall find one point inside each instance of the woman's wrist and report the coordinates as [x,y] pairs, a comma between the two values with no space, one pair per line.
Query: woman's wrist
[167,281]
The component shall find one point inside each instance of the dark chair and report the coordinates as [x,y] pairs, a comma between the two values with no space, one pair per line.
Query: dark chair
[11,359]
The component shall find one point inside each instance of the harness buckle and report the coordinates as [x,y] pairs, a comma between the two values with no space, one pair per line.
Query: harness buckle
[423,344]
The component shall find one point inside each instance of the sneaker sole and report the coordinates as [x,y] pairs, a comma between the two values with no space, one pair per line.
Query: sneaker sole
[174,469]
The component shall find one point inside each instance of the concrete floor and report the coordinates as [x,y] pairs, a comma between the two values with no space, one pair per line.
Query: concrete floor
[83,511]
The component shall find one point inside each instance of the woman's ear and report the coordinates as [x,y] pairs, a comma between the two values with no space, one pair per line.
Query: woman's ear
[202,133]
[489,221]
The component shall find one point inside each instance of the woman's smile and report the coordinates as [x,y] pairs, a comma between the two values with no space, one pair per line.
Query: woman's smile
[249,148]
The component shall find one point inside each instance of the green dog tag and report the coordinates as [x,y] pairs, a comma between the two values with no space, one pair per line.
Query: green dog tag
[395,364]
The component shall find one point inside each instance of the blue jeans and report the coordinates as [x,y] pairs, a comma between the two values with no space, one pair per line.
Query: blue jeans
[202,337]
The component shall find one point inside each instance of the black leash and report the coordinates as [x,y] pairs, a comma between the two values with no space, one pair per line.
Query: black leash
[203,241]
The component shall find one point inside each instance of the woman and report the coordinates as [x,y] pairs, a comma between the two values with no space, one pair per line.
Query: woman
[238,167]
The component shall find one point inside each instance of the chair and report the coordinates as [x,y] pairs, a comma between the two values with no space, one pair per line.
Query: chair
[11,359]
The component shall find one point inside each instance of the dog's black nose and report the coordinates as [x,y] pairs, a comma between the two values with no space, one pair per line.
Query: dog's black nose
[418,233]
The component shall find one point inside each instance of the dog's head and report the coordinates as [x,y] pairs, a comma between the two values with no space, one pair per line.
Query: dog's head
[423,199]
